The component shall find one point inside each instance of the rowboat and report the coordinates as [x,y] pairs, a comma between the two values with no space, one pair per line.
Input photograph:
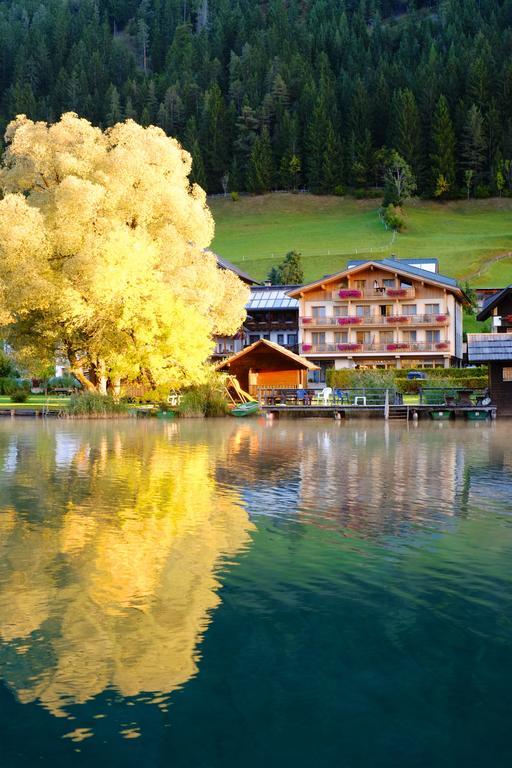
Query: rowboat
[245,409]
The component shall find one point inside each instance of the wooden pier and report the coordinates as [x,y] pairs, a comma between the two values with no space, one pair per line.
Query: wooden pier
[392,412]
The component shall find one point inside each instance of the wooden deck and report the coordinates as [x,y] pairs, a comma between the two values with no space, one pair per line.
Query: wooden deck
[393,412]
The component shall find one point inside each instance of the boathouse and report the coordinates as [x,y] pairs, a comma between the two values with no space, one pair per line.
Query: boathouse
[266,364]
[495,348]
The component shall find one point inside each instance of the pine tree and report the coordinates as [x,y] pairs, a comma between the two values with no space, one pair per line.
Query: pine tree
[332,162]
[407,129]
[442,157]
[474,141]
[261,167]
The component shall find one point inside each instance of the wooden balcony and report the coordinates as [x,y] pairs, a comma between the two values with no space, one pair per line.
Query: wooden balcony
[391,348]
[353,294]
[388,321]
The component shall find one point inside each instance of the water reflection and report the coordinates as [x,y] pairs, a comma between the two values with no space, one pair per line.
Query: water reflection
[111,540]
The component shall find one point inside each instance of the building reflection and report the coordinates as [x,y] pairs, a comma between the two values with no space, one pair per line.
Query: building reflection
[110,562]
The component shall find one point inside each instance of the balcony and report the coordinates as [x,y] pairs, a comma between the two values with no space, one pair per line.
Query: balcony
[389,321]
[392,348]
[350,294]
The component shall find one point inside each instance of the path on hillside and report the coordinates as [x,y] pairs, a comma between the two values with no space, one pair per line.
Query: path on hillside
[485,267]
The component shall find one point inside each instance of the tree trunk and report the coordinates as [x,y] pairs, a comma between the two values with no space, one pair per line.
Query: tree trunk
[101,372]
[78,371]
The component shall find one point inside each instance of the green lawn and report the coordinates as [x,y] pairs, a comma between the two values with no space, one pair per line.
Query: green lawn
[256,232]
[36,403]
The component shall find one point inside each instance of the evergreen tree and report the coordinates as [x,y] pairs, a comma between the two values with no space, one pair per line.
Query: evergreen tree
[261,167]
[474,141]
[407,129]
[442,158]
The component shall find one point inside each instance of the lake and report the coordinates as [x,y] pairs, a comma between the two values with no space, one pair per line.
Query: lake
[240,593]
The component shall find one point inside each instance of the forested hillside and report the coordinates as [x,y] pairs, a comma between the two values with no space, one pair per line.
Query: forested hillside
[282,93]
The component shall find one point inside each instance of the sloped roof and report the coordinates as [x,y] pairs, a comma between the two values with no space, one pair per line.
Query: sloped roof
[493,301]
[485,347]
[400,267]
[264,345]
[271,297]
[225,264]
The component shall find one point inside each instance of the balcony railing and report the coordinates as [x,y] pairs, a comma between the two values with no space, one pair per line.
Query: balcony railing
[349,348]
[351,294]
[379,320]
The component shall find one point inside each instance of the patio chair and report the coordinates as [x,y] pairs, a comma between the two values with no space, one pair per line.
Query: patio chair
[326,395]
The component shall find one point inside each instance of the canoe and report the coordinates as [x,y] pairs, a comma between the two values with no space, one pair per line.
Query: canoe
[165,414]
[245,409]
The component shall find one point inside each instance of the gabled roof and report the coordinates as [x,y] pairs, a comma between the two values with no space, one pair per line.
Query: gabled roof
[485,347]
[392,266]
[225,264]
[411,262]
[493,301]
[271,297]
[264,345]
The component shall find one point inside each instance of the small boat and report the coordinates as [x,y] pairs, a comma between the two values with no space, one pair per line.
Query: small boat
[477,415]
[440,415]
[165,414]
[245,409]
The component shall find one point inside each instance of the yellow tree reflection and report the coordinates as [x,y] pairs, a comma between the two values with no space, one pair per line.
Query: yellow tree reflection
[118,588]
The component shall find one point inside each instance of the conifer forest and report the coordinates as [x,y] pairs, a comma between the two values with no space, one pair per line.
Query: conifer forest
[280,94]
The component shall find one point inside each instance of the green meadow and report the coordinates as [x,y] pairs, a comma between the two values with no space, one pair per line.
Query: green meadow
[472,239]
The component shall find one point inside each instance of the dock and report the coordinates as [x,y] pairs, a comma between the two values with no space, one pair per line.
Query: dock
[395,412]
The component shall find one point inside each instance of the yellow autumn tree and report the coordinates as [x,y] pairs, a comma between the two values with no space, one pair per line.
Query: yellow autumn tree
[103,253]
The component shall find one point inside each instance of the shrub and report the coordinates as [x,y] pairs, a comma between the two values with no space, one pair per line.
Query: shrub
[352,378]
[360,193]
[204,400]
[19,396]
[8,386]
[482,192]
[235,197]
[393,217]
[339,191]
[67,382]
[94,404]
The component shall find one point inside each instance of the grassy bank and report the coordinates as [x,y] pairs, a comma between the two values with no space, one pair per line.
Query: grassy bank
[466,236]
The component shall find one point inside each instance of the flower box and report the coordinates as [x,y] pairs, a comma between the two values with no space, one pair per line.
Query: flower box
[349,293]
[307,347]
[348,347]
[442,345]
[441,318]
[397,319]
[306,320]
[396,291]
[349,320]
[507,318]
[394,347]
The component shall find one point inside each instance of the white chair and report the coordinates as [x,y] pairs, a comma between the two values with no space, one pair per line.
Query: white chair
[360,400]
[326,394]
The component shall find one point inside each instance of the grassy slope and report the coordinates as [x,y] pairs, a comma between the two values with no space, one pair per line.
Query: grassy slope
[256,232]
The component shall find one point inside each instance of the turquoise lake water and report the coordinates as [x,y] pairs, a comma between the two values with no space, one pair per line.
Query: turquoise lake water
[241,593]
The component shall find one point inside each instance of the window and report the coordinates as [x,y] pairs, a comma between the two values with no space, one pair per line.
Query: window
[507,374]
[280,338]
[253,338]
[292,339]
[386,310]
[388,282]
[341,337]
[409,309]
[340,310]
[318,311]
[318,338]
[386,337]
[363,310]
[364,337]
[433,337]
[266,336]
[410,336]
[360,284]
[432,309]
